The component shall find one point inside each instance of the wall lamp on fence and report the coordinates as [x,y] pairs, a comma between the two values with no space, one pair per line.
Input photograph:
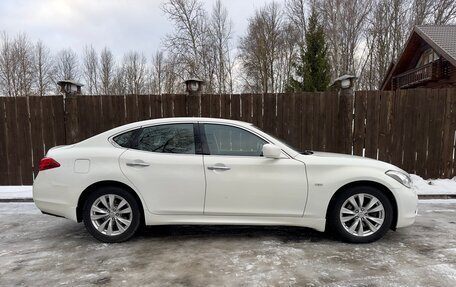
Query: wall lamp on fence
[194,85]
[344,82]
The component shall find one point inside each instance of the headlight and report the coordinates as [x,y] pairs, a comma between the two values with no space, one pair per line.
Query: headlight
[401,177]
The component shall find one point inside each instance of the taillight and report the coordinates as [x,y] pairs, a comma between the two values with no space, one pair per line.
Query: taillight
[48,163]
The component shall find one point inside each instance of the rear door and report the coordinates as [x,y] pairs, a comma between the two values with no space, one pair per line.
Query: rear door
[164,166]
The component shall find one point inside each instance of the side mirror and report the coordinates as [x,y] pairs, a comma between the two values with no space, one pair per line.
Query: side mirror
[271,151]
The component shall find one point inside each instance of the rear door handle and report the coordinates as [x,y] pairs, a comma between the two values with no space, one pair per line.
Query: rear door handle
[218,167]
[138,164]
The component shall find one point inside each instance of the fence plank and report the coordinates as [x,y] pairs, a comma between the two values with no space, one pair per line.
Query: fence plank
[270,119]
[193,105]
[236,106]
[282,116]
[384,129]
[180,105]
[359,122]
[422,127]
[131,107]
[14,174]
[3,144]
[36,123]
[156,106]
[452,95]
[215,105]
[409,126]
[372,124]
[144,107]
[332,123]
[225,106]
[246,103]
[205,105]
[47,114]
[448,135]
[435,133]
[59,119]
[398,124]
[23,141]
[295,125]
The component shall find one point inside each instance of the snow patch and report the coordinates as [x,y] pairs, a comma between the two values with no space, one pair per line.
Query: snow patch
[12,191]
[433,186]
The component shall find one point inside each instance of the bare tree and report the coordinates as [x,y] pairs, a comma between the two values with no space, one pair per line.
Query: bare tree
[44,69]
[296,13]
[221,34]
[67,65]
[135,72]
[157,73]
[386,34]
[189,41]
[345,23]
[6,66]
[16,65]
[106,72]
[420,12]
[24,58]
[444,12]
[90,69]
[118,86]
[259,49]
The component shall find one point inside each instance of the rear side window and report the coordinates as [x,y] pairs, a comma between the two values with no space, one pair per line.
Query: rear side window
[172,138]
[125,139]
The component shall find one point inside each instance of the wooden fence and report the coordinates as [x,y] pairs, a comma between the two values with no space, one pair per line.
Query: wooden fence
[413,129]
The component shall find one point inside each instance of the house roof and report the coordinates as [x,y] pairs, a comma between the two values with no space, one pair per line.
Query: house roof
[441,38]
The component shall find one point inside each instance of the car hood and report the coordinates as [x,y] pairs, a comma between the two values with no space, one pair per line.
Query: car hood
[338,159]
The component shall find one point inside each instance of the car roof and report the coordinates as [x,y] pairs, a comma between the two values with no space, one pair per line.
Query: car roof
[190,120]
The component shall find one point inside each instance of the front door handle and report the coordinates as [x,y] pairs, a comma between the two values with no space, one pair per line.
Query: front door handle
[218,167]
[138,164]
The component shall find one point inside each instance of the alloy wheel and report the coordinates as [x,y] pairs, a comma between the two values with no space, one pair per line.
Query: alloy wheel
[111,214]
[362,214]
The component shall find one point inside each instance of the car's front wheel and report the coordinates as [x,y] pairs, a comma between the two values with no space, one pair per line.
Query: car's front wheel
[111,214]
[361,214]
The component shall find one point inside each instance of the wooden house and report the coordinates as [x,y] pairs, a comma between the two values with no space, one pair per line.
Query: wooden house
[427,60]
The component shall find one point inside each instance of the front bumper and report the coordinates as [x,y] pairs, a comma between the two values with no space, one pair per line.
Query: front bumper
[407,205]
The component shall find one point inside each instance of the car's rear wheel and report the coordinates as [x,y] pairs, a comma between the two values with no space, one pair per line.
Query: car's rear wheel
[111,214]
[361,214]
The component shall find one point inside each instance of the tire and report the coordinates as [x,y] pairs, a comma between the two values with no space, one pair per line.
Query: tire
[361,214]
[111,214]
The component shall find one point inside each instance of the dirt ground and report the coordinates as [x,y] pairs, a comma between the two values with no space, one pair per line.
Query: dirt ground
[40,250]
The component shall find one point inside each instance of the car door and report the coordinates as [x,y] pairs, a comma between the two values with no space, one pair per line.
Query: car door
[164,167]
[240,181]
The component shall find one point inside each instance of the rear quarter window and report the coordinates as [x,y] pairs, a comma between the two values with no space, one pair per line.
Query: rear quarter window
[125,139]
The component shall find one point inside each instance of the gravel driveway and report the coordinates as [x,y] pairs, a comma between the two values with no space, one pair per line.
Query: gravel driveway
[40,250]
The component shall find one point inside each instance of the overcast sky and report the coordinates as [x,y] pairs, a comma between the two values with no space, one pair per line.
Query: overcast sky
[122,25]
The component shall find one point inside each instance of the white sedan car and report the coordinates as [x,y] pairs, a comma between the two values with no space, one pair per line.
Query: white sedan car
[216,171]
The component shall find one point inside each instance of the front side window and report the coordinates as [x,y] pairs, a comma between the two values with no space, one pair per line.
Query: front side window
[229,140]
[172,138]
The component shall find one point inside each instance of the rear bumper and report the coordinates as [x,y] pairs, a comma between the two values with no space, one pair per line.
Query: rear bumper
[54,198]
[57,209]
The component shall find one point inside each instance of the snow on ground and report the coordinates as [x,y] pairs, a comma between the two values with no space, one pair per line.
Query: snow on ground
[434,186]
[22,191]
[423,187]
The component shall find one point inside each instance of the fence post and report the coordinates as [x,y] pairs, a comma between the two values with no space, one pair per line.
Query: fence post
[344,84]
